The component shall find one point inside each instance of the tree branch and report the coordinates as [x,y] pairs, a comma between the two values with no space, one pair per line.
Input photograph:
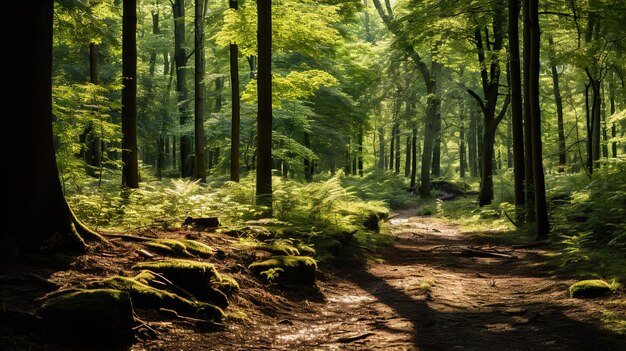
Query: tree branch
[479,99]
[505,106]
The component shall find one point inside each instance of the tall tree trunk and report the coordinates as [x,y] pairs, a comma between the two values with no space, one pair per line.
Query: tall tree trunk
[398,147]
[542,224]
[432,108]
[490,76]
[517,117]
[436,166]
[407,162]
[462,154]
[264,122]
[529,182]
[153,54]
[360,152]
[559,106]
[392,146]
[612,110]
[38,210]
[413,158]
[130,167]
[236,108]
[200,8]
[180,57]
[605,138]
[381,146]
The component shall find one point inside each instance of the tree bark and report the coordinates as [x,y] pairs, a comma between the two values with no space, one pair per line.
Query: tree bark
[559,106]
[612,110]
[398,147]
[130,166]
[529,183]
[38,210]
[236,108]
[392,147]
[180,57]
[434,101]
[413,158]
[462,152]
[471,145]
[200,8]
[264,122]
[407,162]
[542,224]
[517,119]
[381,148]
[436,166]
[360,152]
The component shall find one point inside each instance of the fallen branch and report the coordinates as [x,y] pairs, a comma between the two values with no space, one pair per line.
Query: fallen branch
[469,251]
[129,237]
[349,339]
[42,281]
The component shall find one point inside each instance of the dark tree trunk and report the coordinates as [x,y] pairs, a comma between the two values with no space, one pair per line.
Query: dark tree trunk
[130,167]
[605,138]
[542,224]
[398,147]
[413,158]
[359,153]
[153,54]
[200,8]
[529,182]
[462,152]
[436,166]
[612,110]
[433,106]
[407,162]
[490,76]
[236,108]
[559,107]
[38,210]
[180,57]
[381,148]
[392,146]
[264,122]
[517,117]
[252,62]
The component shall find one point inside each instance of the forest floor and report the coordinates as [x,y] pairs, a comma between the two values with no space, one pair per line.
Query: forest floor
[424,293]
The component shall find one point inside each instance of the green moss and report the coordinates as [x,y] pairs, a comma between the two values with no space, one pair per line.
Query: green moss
[226,284]
[295,269]
[193,276]
[180,247]
[589,288]
[145,295]
[104,314]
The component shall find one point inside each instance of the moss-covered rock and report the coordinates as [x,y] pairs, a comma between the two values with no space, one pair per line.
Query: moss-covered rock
[589,288]
[293,269]
[180,247]
[99,314]
[193,276]
[144,295]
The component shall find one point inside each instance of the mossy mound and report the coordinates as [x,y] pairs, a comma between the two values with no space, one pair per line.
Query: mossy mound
[180,247]
[144,295]
[100,314]
[286,248]
[589,288]
[198,278]
[293,269]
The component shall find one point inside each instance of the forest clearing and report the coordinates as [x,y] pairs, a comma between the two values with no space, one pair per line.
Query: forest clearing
[315,175]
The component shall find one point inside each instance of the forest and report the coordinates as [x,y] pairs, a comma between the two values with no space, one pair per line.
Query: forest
[314,175]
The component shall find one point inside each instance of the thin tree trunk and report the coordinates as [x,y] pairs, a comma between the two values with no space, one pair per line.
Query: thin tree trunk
[559,106]
[398,147]
[407,162]
[381,146]
[612,110]
[413,158]
[264,122]
[130,167]
[542,224]
[360,152]
[517,117]
[605,138]
[153,54]
[236,108]
[392,147]
[529,182]
[180,56]
[200,8]
[462,152]
[436,166]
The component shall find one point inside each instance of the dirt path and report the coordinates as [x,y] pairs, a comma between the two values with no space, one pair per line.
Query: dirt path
[425,296]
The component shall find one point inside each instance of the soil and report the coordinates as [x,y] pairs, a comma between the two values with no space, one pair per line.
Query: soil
[424,293]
